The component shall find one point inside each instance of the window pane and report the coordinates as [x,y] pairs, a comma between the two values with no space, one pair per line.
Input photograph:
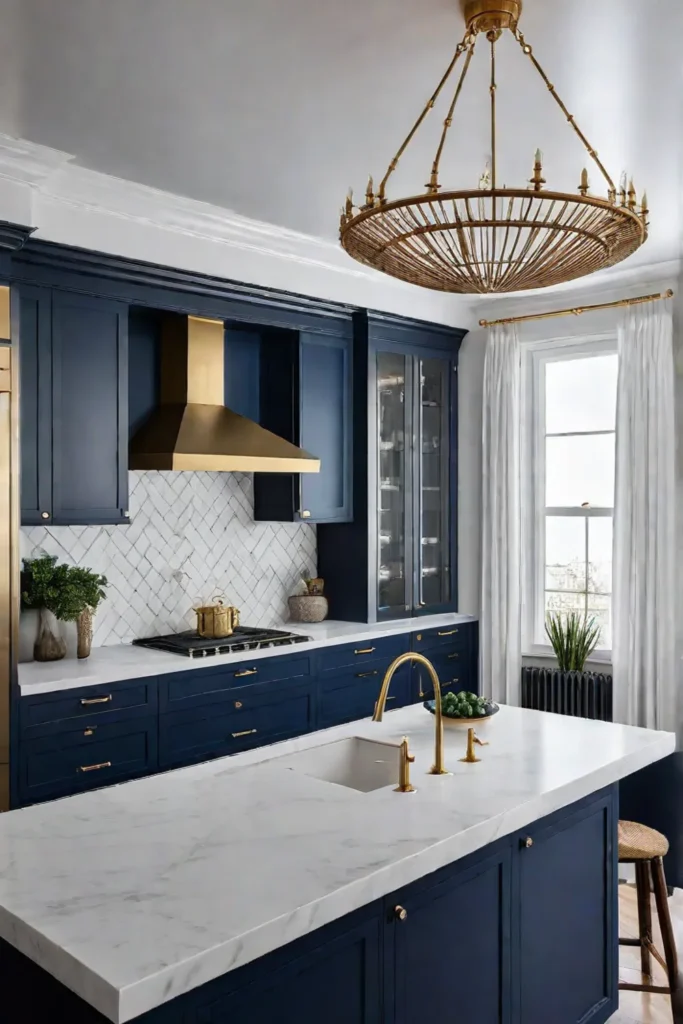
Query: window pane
[600,609]
[581,394]
[556,602]
[565,553]
[579,470]
[600,556]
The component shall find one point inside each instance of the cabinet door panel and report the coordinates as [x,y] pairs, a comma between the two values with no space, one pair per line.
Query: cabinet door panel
[338,983]
[90,409]
[451,951]
[325,426]
[36,404]
[567,920]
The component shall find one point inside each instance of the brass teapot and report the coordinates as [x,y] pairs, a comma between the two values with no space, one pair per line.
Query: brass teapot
[217,620]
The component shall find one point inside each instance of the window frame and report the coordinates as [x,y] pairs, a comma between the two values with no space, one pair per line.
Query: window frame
[536,355]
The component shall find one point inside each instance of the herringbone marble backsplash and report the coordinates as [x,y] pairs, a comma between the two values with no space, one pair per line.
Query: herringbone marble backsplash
[191,535]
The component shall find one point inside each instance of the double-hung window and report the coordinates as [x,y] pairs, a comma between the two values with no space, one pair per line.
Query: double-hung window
[568,493]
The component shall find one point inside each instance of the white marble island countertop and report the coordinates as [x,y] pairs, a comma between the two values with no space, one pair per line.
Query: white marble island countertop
[126,661]
[135,894]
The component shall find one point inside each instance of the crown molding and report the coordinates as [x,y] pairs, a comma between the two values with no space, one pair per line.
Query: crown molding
[29,163]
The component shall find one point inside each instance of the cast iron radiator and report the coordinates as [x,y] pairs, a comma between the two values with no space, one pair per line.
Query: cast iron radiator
[580,694]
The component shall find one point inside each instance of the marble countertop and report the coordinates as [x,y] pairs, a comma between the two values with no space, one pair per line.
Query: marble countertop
[137,893]
[124,661]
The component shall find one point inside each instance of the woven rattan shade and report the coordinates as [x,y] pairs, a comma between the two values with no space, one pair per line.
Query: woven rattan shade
[638,842]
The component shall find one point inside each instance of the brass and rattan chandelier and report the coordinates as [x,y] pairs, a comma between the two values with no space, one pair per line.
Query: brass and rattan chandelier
[493,239]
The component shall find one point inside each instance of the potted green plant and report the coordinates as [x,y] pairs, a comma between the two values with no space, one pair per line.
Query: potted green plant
[569,688]
[573,638]
[62,592]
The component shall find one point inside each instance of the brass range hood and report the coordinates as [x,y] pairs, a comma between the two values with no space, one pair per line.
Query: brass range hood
[191,428]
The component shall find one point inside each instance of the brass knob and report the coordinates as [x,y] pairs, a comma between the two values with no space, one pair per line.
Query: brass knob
[400,913]
[238,703]
[45,515]
[528,842]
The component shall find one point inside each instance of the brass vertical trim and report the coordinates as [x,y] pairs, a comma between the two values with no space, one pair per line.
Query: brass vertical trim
[205,361]
[9,530]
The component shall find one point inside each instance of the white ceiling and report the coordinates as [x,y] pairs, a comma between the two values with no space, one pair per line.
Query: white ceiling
[272,108]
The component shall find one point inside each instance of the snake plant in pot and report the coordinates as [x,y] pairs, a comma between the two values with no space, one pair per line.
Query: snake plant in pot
[67,593]
[569,689]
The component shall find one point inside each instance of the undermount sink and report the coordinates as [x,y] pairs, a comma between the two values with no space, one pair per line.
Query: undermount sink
[356,763]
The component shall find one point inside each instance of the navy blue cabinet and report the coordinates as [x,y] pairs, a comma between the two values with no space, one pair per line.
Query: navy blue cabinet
[567,966]
[397,558]
[450,944]
[74,410]
[306,397]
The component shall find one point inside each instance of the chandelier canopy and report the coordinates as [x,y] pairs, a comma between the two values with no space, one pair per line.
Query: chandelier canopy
[493,239]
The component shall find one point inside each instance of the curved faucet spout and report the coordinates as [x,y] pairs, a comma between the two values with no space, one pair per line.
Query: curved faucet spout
[403,659]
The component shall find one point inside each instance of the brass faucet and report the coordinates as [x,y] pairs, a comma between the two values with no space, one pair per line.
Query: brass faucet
[438,766]
[472,738]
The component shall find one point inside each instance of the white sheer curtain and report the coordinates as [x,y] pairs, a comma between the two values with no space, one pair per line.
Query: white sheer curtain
[501,590]
[644,522]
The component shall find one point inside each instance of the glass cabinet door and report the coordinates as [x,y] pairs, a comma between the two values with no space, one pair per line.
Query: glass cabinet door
[394,409]
[432,496]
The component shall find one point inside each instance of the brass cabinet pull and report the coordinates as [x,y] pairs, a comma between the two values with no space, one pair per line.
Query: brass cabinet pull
[305,514]
[89,730]
[448,632]
[95,700]
[391,698]
[364,675]
[247,732]
[246,672]
[365,650]
[452,656]
[238,703]
[400,913]
[94,767]
[528,842]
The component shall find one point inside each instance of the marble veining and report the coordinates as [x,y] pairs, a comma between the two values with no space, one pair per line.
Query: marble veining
[135,894]
[123,661]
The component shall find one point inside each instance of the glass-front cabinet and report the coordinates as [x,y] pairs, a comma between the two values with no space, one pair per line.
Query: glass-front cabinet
[415,507]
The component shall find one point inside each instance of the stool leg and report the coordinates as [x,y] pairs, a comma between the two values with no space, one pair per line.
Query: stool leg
[644,914]
[661,899]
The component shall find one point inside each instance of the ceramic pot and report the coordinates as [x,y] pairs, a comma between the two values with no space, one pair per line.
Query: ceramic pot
[308,608]
[84,633]
[49,645]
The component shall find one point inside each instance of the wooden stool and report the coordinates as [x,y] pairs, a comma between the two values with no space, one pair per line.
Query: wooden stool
[645,848]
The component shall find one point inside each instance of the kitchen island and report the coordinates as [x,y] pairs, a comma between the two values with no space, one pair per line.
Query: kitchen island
[255,889]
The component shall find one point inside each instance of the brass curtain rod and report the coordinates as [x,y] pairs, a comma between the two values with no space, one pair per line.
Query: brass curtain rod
[578,310]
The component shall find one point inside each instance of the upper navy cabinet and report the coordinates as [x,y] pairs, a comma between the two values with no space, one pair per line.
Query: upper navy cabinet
[399,556]
[306,397]
[74,408]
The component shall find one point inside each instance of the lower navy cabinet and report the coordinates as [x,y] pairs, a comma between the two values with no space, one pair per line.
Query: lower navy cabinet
[85,756]
[250,717]
[72,740]
[450,956]
[567,920]
[516,933]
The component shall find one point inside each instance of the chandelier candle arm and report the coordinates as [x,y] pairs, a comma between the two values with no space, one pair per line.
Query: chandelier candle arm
[580,310]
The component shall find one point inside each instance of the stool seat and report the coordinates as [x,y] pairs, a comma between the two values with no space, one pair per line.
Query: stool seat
[638,842]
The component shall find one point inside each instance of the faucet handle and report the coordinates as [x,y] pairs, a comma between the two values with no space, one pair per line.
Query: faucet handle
[405,761]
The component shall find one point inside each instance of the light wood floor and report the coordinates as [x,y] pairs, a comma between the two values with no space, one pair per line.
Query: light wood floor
[642,1007]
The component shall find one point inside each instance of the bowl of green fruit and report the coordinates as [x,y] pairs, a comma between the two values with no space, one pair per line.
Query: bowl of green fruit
[463,708]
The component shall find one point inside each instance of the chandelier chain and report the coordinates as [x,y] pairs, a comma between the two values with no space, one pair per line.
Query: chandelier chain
[434,180]
[528,50]
[459,50]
